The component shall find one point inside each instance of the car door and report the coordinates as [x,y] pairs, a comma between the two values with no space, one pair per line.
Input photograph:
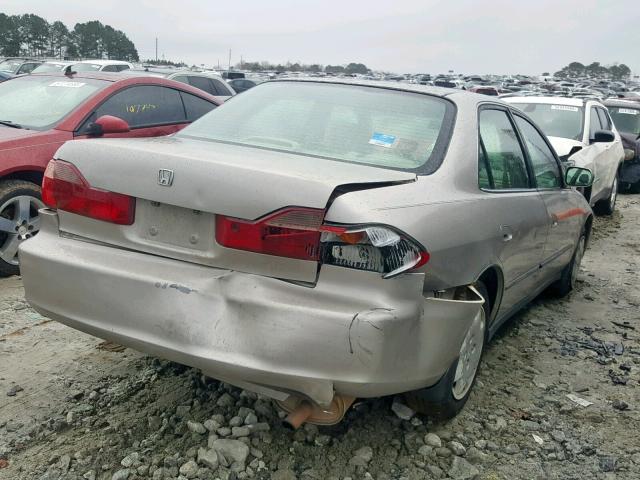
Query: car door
[150,110]
[564,213]
[505,179]
[611,153]
[599,154]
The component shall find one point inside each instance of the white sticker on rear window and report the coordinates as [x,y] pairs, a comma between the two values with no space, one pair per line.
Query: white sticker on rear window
[382,140]
[566,108]
[628,111]
[67,84]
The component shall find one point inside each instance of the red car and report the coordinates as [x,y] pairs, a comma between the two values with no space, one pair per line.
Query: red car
[38,113]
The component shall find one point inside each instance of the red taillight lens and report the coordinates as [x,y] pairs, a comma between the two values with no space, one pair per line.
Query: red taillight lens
[299,233]
[292,233]
[64,188]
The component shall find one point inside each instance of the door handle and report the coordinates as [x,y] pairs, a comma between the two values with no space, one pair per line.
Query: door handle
[507,237]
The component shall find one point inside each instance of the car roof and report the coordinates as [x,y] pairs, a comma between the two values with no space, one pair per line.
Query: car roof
[622,103]
[107,76]
[572,102]
[104,62]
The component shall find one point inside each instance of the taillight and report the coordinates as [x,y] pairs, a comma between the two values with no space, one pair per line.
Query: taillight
[64,188]
[374,248]
[300,233]
[292,233]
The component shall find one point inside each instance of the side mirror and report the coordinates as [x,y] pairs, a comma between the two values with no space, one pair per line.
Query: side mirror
[603,136]
[578,177]
[107,124]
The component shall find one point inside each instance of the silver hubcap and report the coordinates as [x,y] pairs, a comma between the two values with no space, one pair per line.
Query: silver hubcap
[469,358]
[577,260]
[19,220]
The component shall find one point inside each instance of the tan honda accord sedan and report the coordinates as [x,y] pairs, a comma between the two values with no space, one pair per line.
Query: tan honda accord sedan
[313,241]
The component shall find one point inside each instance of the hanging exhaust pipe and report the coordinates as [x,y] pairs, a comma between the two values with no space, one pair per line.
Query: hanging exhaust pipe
[302,411]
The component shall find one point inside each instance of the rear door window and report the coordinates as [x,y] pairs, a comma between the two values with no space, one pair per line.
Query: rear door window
[143,106]
[195,106]
[202,83]
[221,89]
[545,167]
[502,152]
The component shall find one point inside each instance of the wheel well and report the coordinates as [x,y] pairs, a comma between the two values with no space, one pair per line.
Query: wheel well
[492,279]
[29,176]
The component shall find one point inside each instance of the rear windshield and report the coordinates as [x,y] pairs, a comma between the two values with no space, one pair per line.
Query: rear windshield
[48,68]
[373,126]
[86,67]
[564,121]
[40,102]
[626,120]
[10,66]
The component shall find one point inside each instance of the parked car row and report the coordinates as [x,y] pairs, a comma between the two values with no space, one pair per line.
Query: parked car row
[312,240]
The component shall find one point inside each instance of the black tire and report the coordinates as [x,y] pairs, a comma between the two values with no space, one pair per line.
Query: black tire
[438,400]
[566,284]
[10,190]
[608,205]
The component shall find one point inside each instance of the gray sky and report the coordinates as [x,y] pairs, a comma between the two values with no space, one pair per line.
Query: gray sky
[516,36]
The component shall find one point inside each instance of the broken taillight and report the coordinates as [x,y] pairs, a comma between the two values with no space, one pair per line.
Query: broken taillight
[64,188]
[374,248]
[300,233]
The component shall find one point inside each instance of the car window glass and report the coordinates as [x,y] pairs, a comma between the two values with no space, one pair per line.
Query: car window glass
[110,68]
[604,119]
[143,105]
[220,88]
[505,158]
[27,68]
[181,79]
[202,83]
[196,106]
[594,122]
[545,168]
[349,123]
[122,67]
[484,181]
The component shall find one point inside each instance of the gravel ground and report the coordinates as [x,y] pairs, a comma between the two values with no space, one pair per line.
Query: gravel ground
[557,397]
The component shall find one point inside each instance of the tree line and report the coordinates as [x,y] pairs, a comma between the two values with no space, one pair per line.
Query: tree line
[594,70]
[349,69]
[33,36]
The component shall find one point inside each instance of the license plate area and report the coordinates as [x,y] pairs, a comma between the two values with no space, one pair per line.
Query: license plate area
[174,226]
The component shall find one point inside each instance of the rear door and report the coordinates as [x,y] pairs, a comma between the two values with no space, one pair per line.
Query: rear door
[612,155]
[522,227]
[564,216]
[600,157]
[150,110]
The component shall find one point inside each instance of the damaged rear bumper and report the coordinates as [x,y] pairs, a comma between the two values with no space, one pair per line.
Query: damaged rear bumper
[353,333]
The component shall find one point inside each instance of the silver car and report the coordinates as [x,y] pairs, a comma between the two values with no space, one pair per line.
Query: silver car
[313,241]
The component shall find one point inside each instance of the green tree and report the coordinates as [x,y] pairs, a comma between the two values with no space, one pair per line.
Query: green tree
[58,38]
[35,34]
[10,35]
[89,39]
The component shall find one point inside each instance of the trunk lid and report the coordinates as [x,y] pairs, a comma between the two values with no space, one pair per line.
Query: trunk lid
[208,178]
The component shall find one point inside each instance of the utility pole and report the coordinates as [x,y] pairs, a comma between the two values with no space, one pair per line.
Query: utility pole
[229,69]
[240,62]
[156,49]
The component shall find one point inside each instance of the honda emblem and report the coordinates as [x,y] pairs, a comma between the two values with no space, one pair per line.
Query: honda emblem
[165,177]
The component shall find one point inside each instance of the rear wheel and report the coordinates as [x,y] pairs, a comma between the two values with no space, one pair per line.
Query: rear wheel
[19,204]
[608,205]
[569,276]
[446,398]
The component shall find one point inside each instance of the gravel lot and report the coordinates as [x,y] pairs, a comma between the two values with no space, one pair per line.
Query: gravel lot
[72,407]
